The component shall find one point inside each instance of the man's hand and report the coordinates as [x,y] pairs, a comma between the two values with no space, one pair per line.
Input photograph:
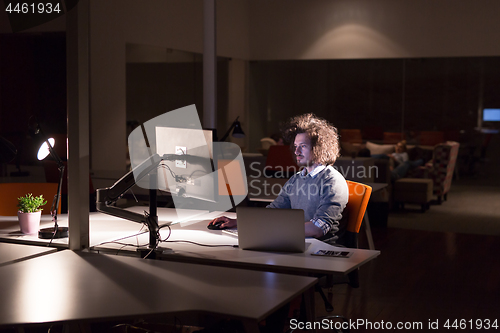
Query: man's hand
[312,230]
[225,222]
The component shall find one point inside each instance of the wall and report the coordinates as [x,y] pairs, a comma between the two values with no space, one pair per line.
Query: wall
[393,95]
[348,29]
[267,30]
[167,23]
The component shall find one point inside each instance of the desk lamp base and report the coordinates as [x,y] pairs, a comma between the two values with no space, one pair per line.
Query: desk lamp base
[48,233]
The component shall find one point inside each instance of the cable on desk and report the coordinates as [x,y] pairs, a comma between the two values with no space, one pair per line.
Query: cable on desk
[117,241]
[127,244]
[134,327]
[169,232]
[158,238]
[177,326]
[185,241]
[207,245]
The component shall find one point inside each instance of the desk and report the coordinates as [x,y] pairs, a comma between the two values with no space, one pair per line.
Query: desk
[11,253]
[192,227]
[103,287]
[10,231]
[196,230]
[102,227]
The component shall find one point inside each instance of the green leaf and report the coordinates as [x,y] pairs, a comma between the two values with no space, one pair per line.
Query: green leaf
[30,204]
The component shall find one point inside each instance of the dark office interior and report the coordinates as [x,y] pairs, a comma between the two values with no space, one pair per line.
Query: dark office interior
[438,264]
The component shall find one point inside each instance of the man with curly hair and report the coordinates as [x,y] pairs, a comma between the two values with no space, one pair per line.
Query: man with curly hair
[318,189]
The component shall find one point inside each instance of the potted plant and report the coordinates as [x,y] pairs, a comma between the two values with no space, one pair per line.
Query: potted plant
[29,213]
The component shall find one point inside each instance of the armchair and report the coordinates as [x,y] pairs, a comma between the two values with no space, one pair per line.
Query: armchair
[430,138]
[439,169]
[351,135]
[393,137]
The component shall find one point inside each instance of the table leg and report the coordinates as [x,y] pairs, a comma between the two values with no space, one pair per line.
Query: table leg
[368,231]
[310,305]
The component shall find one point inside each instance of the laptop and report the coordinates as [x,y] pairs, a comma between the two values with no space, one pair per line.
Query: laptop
[271,229]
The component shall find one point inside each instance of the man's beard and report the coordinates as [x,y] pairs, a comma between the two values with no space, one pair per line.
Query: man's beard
[303,162]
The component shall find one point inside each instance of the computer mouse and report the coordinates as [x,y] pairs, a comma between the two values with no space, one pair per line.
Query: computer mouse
[216,226]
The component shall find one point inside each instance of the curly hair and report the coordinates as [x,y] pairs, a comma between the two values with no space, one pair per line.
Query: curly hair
[324,136]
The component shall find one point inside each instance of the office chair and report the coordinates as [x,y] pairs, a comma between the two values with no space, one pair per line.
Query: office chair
[11,191]
[354,212]
[280,161]
[351,135]
[392,137]
[430,138]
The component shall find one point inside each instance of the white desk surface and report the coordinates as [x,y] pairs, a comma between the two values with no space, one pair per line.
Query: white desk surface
[195,230]
[11,253]
[102,227]
[192,227]
[80,286]
[10,231]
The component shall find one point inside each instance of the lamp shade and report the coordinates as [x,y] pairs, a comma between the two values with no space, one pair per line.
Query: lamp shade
[238,132]
[44,149]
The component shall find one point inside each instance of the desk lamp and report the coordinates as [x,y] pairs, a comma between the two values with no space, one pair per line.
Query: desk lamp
[237,131]
[47,148]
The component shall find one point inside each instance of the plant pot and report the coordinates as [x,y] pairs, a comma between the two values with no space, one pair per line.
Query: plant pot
[29,222]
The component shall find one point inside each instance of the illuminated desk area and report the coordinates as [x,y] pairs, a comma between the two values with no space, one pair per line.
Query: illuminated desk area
[91,273]
[97,287]
[194,230]
[12,253]
[108,234]
[109,286]
[103,227]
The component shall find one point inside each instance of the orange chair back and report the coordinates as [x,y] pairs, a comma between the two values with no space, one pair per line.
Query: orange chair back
[351,135]
[359,195]
[281,158]
[9,192]
[393,137]
[430,138]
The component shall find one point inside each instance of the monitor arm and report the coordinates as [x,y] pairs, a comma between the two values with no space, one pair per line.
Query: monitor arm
[106,197]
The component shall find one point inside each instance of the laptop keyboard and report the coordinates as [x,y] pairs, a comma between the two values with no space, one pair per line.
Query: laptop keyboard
[233,232]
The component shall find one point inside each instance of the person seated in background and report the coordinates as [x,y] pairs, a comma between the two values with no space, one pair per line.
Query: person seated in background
[277,138]
[401,162]
[318,188]
[400,155]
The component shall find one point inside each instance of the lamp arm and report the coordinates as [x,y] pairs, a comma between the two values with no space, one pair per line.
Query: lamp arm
[60,167]
[57,198]
[229,130]
[54,154]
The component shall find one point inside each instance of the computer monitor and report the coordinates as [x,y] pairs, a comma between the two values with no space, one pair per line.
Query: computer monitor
[194,177]
[213,173]
[172,152]
[491,115]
